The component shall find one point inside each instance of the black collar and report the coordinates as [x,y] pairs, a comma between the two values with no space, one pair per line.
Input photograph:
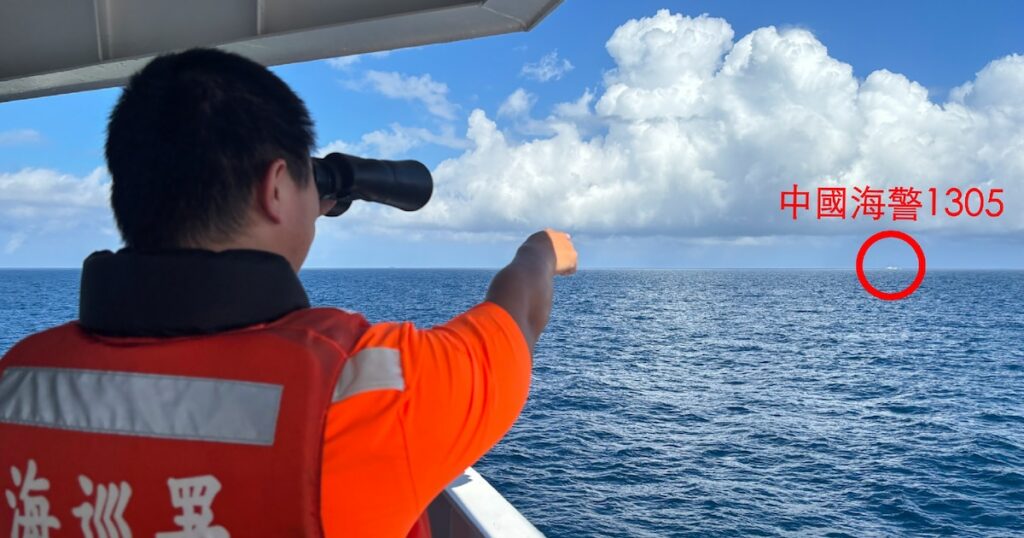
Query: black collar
[183,292]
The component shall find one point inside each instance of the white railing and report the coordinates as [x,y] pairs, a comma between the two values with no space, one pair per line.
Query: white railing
[470,507]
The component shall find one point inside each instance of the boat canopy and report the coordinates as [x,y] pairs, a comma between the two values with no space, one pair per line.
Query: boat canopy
[61,47]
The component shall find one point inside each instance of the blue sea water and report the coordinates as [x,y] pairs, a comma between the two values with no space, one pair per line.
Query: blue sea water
[728,403]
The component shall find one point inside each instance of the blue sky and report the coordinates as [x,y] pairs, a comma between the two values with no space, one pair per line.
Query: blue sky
[691,129]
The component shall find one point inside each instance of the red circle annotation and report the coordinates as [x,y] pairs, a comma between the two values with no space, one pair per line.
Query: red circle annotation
[890,234]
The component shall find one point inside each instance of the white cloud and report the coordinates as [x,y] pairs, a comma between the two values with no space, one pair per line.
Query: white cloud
[37,201]
[338,146]
[49,189]
[699,135]
[433,94]
[14,242]
[998,86]
[517,108]
[343,62]
[346,62]
[396,141]
[578,109]
[19,136]
[518,103]
[550,67]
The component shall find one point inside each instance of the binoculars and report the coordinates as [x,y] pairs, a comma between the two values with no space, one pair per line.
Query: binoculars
[406,185]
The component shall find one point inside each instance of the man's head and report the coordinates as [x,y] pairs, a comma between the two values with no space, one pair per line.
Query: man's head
[208,149]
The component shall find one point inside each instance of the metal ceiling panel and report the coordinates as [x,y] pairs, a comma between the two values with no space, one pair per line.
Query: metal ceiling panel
[34,37]
[49,47]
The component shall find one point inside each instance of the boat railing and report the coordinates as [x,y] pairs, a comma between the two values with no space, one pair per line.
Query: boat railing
[471,508]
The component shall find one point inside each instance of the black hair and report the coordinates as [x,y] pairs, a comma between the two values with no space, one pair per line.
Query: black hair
[189,140]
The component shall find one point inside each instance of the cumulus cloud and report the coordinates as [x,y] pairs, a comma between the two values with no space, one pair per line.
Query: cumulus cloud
[517,108]
[14,242]
[346,62]
[33,189]
[19,136]
[396,141]
[998,85]
[578,109]
[518,103]
[699,133]
[38,201]
[550,67]
[432,94]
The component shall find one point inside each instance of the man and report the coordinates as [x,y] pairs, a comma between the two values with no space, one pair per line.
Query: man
[198,388]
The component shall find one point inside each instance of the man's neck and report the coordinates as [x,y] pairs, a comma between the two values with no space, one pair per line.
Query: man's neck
[245,241]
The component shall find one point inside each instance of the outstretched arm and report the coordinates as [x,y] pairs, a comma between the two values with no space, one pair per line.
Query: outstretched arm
[464,384]
[524,287]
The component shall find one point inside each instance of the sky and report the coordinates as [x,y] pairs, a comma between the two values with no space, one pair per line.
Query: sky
[659,134]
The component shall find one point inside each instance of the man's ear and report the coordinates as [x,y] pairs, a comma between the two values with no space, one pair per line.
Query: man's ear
[269,191]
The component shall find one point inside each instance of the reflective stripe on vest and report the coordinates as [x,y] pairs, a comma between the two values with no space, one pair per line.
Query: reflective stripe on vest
[146,405]
[372,368]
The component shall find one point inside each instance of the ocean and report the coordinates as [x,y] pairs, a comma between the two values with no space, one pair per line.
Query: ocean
[728,402]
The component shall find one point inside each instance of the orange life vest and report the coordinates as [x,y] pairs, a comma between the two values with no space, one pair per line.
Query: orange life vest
[211,435]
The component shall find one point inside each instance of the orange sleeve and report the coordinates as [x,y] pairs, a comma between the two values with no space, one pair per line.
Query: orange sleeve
[468,381]
[465,383]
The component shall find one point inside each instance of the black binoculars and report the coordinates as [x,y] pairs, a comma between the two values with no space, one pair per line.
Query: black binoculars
[406,185]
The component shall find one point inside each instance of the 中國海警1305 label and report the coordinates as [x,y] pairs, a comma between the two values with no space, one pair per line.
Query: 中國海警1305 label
[898,203]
